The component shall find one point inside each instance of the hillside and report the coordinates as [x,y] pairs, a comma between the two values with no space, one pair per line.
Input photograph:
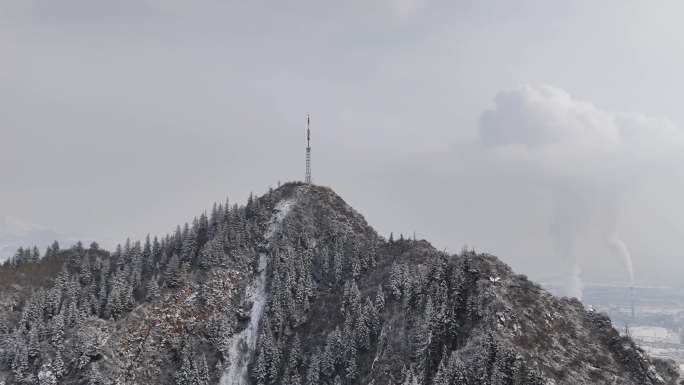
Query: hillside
[296,288]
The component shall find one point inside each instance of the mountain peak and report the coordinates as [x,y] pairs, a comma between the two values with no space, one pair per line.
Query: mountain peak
[296,288]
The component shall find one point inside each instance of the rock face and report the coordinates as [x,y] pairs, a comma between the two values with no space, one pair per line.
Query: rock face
[296,288]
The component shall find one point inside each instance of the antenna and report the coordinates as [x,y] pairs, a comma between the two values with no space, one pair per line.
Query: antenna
[307,177]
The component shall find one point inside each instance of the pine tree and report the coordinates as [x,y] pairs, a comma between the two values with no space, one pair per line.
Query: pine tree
[351,300]
[189,245]
[214,220]
[73,316]
[153,289]
[338,265]
[58,332]
[20,364]
[58,365]
[274,355]
[380,299]
[372,315]
[503,371]
[259,370]
[102,295]
[410,378]
[33,343]
[86,272]
[351,371]
[451,370]
[35,255]
[18,258]
[295,356]
[328,358]
[156,252]
[177,241]
[173,274]
[442,377]
[55,248]
[397,280]
[485,358]
[114,307]
[313,373]
[147,259]
[355,266]
[203,377]
[362,331]
[324,260]
[187,373]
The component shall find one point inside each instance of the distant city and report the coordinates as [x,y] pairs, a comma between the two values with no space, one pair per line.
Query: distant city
[657,324]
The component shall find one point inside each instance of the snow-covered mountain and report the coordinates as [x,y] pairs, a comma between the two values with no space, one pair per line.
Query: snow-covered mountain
[296,288]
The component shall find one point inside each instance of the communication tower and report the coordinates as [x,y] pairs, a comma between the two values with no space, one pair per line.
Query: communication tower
[307,177]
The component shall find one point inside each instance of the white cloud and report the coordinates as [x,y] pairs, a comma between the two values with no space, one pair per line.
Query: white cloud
[561,139]
[405,8]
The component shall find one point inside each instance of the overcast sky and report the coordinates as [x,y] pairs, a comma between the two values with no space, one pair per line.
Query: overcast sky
[464,121]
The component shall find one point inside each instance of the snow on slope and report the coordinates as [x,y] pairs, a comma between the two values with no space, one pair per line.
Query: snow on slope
[243,343]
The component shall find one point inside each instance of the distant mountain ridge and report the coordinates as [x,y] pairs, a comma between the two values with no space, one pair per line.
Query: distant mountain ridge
[296,288]
[15,233]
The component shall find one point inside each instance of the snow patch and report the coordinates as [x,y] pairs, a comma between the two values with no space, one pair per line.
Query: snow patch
[243,344]
[281,210]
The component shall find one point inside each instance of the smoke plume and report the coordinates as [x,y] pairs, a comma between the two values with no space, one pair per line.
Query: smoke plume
[587,158]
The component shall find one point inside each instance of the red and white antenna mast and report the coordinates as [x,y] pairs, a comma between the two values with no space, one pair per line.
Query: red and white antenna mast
[307,177]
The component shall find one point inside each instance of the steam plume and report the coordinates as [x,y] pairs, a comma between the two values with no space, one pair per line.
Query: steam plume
[585,157]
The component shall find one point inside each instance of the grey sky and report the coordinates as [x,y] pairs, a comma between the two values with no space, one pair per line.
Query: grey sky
[119,118]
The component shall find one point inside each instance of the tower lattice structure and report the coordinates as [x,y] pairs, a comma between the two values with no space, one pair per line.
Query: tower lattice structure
[307,177]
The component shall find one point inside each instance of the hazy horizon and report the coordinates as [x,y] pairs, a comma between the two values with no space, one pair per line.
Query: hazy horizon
[543,133]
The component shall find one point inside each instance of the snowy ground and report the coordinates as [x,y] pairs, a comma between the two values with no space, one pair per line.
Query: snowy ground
[243,344]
